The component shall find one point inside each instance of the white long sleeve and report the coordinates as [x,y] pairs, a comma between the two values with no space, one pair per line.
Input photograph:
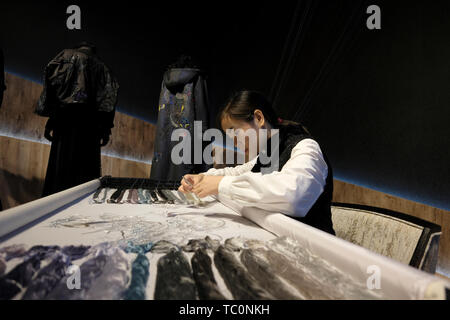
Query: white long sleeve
[292,191]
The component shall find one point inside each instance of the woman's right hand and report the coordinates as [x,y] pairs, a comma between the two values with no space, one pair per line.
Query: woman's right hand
[189,181]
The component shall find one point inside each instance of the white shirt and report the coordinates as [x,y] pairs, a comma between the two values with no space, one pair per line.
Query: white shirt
[292,191]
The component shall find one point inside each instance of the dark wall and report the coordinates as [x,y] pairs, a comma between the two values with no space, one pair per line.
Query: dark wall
[378,101]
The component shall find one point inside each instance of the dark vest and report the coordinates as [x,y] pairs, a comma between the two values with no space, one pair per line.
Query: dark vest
[319,216]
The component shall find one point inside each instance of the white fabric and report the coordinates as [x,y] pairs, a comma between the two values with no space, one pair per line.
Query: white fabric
[292,191]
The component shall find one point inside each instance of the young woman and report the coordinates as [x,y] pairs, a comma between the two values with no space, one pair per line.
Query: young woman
[302,187]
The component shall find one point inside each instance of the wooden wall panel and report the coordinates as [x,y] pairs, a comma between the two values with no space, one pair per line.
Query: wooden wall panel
[24,152]
[349,193]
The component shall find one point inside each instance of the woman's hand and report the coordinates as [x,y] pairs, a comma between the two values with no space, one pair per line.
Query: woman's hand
[207,186]
[189,181]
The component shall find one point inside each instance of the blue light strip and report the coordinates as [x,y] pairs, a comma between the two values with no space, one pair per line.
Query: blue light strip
[114,155]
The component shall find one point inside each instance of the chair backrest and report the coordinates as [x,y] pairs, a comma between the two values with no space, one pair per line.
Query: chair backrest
[404,238]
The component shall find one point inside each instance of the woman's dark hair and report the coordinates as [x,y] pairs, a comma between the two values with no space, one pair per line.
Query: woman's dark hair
[242,106]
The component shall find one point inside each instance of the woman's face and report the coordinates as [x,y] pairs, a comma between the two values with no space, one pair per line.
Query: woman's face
[246,137]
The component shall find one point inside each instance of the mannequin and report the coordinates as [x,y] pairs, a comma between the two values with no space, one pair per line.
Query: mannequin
[79,97]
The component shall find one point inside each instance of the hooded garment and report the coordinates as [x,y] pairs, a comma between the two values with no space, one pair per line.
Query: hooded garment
[182,101]
[79,97]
